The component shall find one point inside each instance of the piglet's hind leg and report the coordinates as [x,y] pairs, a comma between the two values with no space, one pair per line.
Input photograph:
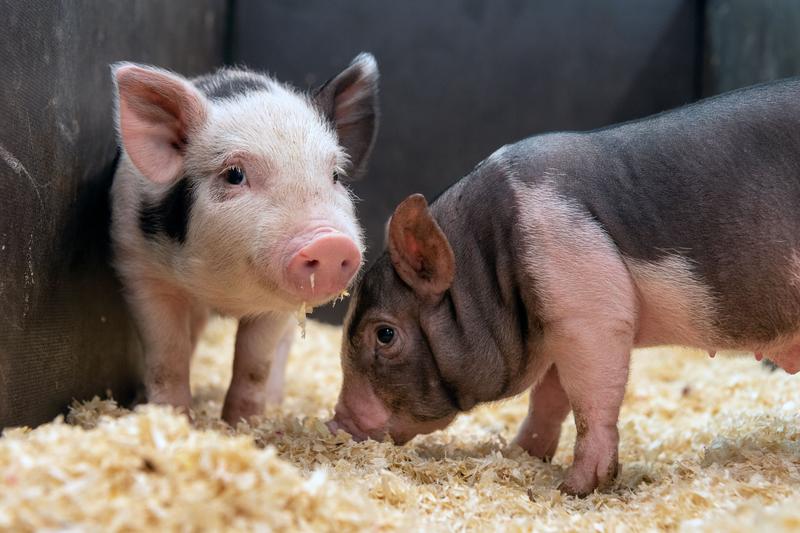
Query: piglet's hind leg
[548,408]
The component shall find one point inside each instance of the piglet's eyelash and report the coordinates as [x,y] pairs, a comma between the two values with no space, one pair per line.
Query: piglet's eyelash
[230,167]
[234,175]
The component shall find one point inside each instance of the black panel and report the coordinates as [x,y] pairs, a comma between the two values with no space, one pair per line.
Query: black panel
[64,331]
[462,77]
[749,42]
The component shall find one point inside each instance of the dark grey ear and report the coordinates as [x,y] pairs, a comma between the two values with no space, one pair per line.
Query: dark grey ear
[350,101]
[386,233]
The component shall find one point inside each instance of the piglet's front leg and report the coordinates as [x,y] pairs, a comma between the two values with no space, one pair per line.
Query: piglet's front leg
[260,342]
[549,406]
[593,369]
[277,369]
[165,318]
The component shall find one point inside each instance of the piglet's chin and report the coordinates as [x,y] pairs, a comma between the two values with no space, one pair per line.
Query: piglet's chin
[399,430]
[403,431]
[402,438]
[348,426]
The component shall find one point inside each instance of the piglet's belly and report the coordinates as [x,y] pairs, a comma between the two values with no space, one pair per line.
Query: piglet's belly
[655,332]
[658,328]
[661,330]
[676,308]
[673,307]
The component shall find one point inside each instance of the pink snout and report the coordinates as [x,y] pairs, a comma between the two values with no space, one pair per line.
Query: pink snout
[400,430]
[370,419]
[348,427]
[359,411]
[324,267]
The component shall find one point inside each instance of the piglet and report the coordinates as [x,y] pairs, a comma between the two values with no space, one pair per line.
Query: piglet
[231,196]
[555,257]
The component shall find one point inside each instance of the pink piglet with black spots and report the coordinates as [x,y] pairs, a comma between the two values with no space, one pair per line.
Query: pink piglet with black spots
[231,196]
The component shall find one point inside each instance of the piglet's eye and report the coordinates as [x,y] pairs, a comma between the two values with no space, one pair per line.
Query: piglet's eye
[385,335]
[335,177]
[234,175]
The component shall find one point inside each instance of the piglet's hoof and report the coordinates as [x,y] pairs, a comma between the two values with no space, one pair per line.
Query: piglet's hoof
[543,448]
[578,483]
[184,411]
[574,485]
[188,412]
[236,410]
[579,491]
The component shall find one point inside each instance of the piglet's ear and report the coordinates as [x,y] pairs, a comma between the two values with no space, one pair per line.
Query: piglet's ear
[419,249]
[158,112]
[350,102]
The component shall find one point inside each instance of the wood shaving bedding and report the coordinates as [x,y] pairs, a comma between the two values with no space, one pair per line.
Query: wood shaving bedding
[706,445]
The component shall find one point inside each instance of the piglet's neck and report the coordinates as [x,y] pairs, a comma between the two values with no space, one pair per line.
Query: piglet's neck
[492,301]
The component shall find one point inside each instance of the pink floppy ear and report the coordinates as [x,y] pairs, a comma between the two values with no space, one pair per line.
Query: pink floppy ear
[158,112]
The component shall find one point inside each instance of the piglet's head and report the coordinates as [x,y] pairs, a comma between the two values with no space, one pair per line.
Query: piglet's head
[245,178]
[402,375]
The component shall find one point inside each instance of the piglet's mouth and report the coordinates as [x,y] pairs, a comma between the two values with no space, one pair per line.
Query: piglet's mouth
[351,428]
[400,432]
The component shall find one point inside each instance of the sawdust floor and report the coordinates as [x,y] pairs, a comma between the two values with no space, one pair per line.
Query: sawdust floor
[710,445]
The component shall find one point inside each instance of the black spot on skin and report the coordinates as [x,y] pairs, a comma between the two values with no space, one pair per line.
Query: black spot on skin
[227,83]
[170,215]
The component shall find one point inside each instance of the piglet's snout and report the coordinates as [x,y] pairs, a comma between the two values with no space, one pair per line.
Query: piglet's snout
[348,427]
[359,412]
[323,266]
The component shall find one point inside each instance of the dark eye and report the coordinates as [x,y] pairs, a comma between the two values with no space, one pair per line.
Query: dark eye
[335,177]
[234,175]
[385,335]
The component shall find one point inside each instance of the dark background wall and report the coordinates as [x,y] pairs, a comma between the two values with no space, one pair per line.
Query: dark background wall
[459,79]
[750,41]
[64,332]
[462,78]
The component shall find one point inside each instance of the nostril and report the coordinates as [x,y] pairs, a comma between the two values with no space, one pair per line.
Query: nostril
[329,261]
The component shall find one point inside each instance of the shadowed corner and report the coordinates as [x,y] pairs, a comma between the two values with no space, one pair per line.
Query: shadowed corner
[112,356]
